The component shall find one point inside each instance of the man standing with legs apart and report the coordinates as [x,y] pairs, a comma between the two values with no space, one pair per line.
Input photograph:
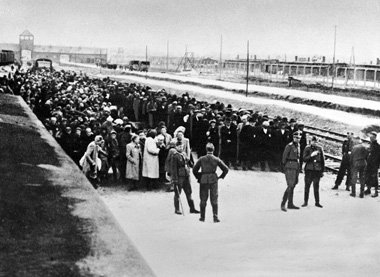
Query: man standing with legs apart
[290,162]
[314,158]
[209,180]
[180,174]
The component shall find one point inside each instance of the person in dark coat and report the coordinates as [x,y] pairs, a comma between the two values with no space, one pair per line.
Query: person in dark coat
[281,138]
[113,153]
[213,136]
[124,137]
[208,180]
[265,144]
[314,168]
[247,135]
[372,169]
[228,136]
[291,166]
[303,142]
[358,162]
[345,168]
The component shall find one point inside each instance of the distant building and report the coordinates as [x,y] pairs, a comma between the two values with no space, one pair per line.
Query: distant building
[26,51]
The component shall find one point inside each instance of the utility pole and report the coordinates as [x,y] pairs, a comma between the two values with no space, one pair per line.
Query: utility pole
[246,88]
[167,56]
[333,68]
[146,60]
[220,58]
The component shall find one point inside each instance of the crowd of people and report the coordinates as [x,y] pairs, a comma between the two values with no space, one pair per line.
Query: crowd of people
[103,124]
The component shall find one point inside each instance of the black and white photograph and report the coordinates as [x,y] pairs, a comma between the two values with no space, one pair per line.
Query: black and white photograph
[189,138]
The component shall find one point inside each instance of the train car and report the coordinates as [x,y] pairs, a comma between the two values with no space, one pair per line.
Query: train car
[7,57]
[43,64]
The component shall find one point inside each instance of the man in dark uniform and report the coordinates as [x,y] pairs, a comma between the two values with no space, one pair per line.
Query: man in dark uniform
[209,180]
[358,162]
[180,174]
[345,163]
[290,162]
[228,136]
[372,169]
[314,168]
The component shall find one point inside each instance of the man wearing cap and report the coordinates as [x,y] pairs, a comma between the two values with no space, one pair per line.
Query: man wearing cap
[290,162]
[347,146]
[180,175]
[281,138]
[208,180]
[314,168]
[372,169]
[213,136]
[264,144]
[358,161]
[228,137]
[292,128]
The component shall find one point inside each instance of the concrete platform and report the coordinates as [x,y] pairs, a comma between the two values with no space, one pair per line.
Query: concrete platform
[52,222]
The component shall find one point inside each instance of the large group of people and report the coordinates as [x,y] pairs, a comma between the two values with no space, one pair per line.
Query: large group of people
[148,137]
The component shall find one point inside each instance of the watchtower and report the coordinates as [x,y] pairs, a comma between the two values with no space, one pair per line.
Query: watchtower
[26,46]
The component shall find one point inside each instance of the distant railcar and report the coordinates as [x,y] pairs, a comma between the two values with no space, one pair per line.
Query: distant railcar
[7,57]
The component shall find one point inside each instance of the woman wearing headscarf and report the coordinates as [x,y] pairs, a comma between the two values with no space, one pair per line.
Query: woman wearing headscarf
[150,160]
[133,154]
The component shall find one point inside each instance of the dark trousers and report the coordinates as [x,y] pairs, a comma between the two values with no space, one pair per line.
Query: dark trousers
[204,191]
[354,177]
[114,165]
[228,155]
[372,178]
[122,167]
[183,183]
[291,176]
[343,169]
[312,176]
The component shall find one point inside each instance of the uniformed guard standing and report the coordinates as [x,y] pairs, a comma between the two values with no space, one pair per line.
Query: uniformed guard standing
[345,163]
[208,180]
[290,162]
[314,158]
[180,174]
[358,162]
[372,169]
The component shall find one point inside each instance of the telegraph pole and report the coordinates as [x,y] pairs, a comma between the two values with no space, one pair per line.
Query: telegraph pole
[333,68]
[220,58]
[246,88]
[167,56]
[146,59]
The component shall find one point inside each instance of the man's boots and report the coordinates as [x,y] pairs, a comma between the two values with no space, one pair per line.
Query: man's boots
[192,207]
[376,194]
[203,213]
[284,198]
[290,201]
[176,206]
[215,213]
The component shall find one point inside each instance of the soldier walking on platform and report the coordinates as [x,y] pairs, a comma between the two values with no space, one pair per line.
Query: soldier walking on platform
[345,163]
[208,180]
[314,158]
[290,162]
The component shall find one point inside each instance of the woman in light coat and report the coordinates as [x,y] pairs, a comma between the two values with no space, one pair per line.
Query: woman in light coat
[133,154]
[150,160]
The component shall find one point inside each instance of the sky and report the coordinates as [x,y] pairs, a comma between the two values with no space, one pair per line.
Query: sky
[274,28]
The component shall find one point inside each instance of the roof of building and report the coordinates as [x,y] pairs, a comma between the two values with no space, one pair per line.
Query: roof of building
[26,33]
[10,46]
[69,50]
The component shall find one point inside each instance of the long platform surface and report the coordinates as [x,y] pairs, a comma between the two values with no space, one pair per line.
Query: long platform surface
[52,222]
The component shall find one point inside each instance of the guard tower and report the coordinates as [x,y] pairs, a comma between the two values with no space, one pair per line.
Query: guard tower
[26,46]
